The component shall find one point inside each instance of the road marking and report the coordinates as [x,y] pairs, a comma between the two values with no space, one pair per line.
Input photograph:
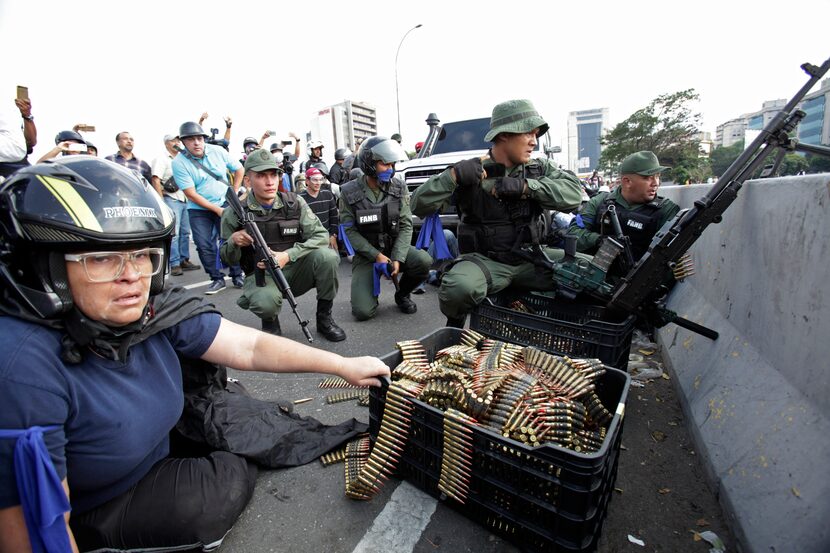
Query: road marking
[400,524]
[198,284]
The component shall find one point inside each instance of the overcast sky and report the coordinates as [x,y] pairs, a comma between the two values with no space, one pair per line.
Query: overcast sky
[147,66]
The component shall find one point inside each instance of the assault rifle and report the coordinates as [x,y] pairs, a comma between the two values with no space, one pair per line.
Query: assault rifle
[263,253]
[642,289]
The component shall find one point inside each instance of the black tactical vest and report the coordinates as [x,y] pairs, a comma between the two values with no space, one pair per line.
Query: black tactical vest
[640,226]
[280,228]
[491,226]
[377,222]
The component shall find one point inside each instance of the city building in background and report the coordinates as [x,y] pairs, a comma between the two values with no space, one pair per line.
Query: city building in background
[585,128]
[706,144]
[813,129]
[341,125]
[730,132]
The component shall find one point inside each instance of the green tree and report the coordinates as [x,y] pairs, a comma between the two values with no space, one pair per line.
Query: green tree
[667,127]
[721,158]
[818,164]
[793,164]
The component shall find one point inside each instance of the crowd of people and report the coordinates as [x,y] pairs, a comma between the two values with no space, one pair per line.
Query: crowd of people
[88,242]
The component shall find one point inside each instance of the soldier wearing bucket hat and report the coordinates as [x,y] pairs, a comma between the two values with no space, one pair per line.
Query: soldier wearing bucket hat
[298,238]
[500,198]
[640,210]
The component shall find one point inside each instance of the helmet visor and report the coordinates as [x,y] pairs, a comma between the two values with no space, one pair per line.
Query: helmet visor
[389,151]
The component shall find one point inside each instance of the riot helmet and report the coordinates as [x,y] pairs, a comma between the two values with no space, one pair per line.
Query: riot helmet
[71,136]
[66,205]
[378,148]
[341,153]
[190,128]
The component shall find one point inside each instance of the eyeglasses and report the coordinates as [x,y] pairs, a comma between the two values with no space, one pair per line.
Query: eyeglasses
[317,180]
[109,266]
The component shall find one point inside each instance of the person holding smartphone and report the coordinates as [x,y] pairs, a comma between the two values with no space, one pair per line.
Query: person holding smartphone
[17,142]
[67,143]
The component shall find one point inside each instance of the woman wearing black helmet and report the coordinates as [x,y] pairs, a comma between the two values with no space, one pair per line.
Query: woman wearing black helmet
[90,381]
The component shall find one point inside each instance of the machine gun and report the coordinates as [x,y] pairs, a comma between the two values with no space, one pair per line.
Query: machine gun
[642,290]
[263,253]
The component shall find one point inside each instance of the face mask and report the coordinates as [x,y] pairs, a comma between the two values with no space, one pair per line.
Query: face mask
[278,157]
[386,176]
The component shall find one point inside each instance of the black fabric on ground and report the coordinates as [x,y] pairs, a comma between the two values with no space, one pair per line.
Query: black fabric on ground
[224,416]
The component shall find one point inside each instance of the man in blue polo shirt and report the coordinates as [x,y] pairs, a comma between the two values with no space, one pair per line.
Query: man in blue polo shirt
[200,171]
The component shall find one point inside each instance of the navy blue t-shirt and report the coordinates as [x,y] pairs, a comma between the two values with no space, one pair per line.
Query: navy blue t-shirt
[113,418]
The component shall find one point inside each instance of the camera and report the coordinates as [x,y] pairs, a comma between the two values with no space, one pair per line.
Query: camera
[217,141]
[286,164]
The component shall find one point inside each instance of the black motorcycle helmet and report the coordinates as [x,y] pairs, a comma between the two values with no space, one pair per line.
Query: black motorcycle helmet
[63,136]
[378,148]
[190,128]
[72,204]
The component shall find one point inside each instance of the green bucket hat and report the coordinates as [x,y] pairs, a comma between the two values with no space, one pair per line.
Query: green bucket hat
[515,116]
[641,163]
[261,160]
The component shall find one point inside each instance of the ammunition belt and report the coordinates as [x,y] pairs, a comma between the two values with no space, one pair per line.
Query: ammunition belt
[525,394]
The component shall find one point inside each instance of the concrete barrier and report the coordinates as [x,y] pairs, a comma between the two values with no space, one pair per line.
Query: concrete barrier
[758,399]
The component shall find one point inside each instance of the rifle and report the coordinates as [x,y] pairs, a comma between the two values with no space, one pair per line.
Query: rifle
[628,258]
[264,253]
[641,290]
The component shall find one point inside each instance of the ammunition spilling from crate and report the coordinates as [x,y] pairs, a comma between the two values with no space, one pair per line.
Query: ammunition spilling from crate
[347,396]
[523,393]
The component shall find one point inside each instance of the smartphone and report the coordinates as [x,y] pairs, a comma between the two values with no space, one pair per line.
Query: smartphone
[86,128]
[75,147]
[271,133]
[287,143]
[22,92]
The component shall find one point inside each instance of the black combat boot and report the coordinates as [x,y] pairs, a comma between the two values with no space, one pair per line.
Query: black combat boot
[406,285]
[326,325]
[405,303]
[272,326]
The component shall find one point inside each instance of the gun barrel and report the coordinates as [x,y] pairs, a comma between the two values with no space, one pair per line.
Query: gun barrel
[678,235]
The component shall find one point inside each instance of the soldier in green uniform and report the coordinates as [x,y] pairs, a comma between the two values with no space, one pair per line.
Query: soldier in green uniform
[640,210]
[499,202]
[374,210]
[297,238]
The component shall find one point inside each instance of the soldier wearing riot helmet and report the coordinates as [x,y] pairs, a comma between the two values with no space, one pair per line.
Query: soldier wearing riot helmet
[640,211]
[374,210]
[499,198]
[84,243]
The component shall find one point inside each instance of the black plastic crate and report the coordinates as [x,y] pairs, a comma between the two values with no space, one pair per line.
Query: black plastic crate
[545,498]
[557,326]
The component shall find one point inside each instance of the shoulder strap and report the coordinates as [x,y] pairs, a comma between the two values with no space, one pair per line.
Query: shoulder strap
[203,168]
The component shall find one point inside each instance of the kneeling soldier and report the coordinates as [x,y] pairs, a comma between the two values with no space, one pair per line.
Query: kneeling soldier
[374,210]
[299,243]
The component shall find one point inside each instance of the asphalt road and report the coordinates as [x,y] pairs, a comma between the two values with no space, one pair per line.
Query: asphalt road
[660,495]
